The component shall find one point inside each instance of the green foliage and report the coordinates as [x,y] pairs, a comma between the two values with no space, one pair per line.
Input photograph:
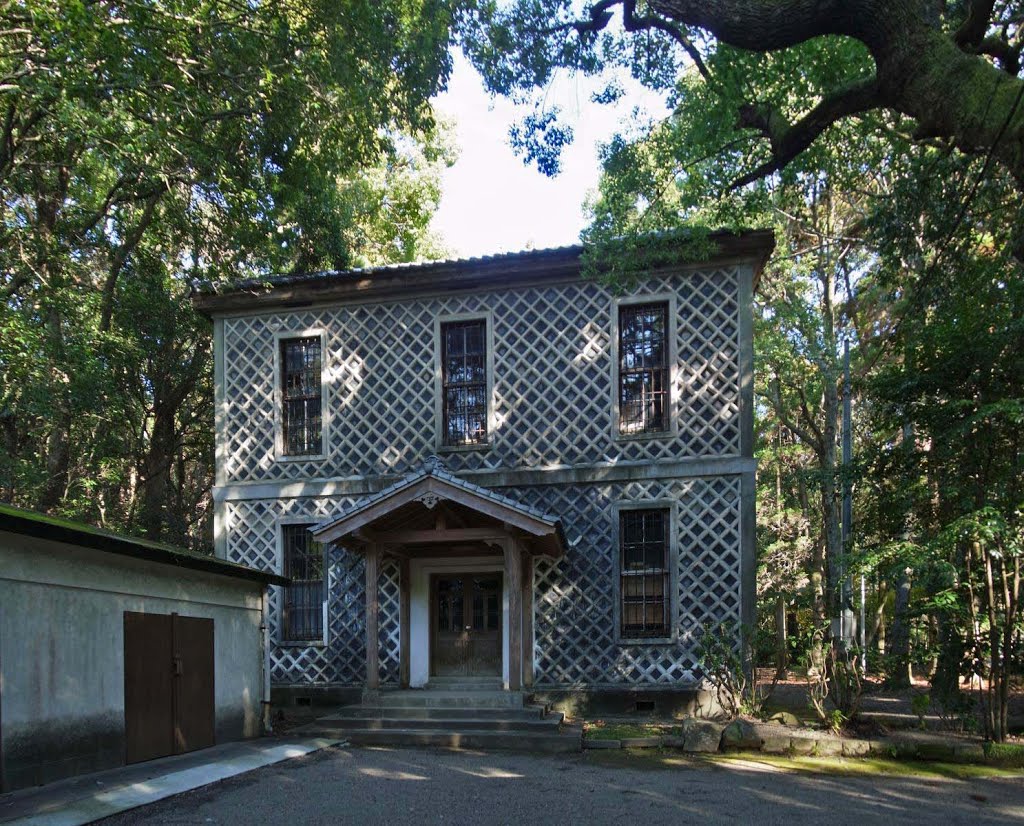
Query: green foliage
[728,656]
[147,145]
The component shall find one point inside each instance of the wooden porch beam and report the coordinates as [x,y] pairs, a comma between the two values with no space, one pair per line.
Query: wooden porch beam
[513,584]
[372,617]
[447,535]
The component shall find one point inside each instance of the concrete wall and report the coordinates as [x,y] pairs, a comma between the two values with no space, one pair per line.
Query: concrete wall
[62,652]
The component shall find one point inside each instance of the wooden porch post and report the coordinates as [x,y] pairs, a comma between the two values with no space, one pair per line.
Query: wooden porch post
[513,580]
[527,608]
[372,611]
[404,586]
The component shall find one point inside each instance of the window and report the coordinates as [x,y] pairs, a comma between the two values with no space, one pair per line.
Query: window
[643,368]
[301,397]
[464,382]
[303,617]
[644,569]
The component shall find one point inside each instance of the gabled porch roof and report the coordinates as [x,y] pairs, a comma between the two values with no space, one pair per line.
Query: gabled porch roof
[395,515]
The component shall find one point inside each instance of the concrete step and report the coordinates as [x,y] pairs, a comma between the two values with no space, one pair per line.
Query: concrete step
[465,684]
[428,698]
[526,713]
[569,740]
[343,724]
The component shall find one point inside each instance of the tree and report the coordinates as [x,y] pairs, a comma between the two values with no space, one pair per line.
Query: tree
[950,67]
[143,145]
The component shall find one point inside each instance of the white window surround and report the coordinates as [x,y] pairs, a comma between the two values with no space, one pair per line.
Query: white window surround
[671,356]
[325,411]
[672,596]
[280,589]
[488,318]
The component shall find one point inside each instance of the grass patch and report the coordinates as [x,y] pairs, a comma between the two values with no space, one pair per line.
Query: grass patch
[1006,755]
[870,766]
[619,730]
[668,759]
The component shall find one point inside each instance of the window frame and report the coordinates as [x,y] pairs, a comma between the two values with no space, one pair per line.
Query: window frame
[280,451]
[670,508]
[439,424]
[671,408]
[283,639]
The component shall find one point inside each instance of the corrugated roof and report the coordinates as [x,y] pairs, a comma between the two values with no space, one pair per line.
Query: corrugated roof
[284,279]
[56,529]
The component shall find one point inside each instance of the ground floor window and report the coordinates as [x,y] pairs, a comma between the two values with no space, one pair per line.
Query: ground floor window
[643,568]
[302,618]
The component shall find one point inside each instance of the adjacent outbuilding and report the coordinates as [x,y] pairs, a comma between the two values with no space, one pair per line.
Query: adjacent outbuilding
[116,650]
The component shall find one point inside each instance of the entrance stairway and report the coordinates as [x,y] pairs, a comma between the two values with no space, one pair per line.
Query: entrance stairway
[449,713]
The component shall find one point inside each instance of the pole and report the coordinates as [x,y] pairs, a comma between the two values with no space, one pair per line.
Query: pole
[846,596]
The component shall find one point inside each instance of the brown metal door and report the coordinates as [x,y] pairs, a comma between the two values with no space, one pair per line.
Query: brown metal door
[467,625]
[168,685]
[193,683]
[148,688]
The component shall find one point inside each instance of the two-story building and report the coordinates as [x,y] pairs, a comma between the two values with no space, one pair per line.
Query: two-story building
[493,468]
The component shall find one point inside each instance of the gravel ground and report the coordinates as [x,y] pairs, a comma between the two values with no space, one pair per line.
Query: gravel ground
[418,786]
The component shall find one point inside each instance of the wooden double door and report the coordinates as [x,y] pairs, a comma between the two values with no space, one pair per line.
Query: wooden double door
[466,618]
[168,685]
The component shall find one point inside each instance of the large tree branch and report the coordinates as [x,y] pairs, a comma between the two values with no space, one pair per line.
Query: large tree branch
[789,140]
[971,32]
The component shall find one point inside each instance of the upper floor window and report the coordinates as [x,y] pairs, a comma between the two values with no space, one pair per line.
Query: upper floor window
[644,572]
[301,397]
[464,382]
[302,617]
[643,368]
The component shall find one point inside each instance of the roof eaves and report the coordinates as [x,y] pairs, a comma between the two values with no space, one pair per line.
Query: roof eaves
[41,526]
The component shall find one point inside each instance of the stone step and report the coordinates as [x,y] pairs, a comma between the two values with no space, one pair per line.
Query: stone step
[427,698]
[464,684]
[426,713]
[568,740]
[340,724]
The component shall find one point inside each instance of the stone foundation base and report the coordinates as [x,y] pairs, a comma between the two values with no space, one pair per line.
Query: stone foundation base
[665,703]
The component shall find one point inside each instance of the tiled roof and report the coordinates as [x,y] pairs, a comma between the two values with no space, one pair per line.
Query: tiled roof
[432,466]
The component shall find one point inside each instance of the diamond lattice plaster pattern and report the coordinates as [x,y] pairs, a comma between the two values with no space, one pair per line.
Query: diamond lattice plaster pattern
[575,641]
[552,380]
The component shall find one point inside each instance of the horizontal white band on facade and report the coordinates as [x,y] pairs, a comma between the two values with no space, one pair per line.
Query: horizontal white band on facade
[496,478]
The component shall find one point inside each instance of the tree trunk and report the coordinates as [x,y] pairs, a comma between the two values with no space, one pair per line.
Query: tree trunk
[898,671]
[781,646]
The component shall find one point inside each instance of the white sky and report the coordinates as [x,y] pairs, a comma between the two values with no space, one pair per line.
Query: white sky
[492,202]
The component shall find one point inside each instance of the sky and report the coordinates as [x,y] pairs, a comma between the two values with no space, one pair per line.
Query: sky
[491,201]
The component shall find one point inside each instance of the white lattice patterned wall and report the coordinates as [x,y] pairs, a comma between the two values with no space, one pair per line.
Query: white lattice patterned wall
[552,377]
[574,633]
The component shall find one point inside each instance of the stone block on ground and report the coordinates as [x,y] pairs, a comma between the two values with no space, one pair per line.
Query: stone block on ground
[741,735]
[969,752]
[775,744]
[672,742]
[802,745]
[701,735]
[830,746]
[785,718]
[856,748]
[640,742]
[600,744]
[936,750]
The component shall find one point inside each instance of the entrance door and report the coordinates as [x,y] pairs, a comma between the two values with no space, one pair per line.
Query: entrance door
[466,618]
[168,685]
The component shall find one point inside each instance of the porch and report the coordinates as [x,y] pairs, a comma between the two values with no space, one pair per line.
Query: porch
[465,556]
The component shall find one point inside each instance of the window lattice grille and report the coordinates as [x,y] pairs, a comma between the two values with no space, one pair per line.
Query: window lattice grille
[464,382]
[643,368]
[303,600]
[301,396]
[643,571]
